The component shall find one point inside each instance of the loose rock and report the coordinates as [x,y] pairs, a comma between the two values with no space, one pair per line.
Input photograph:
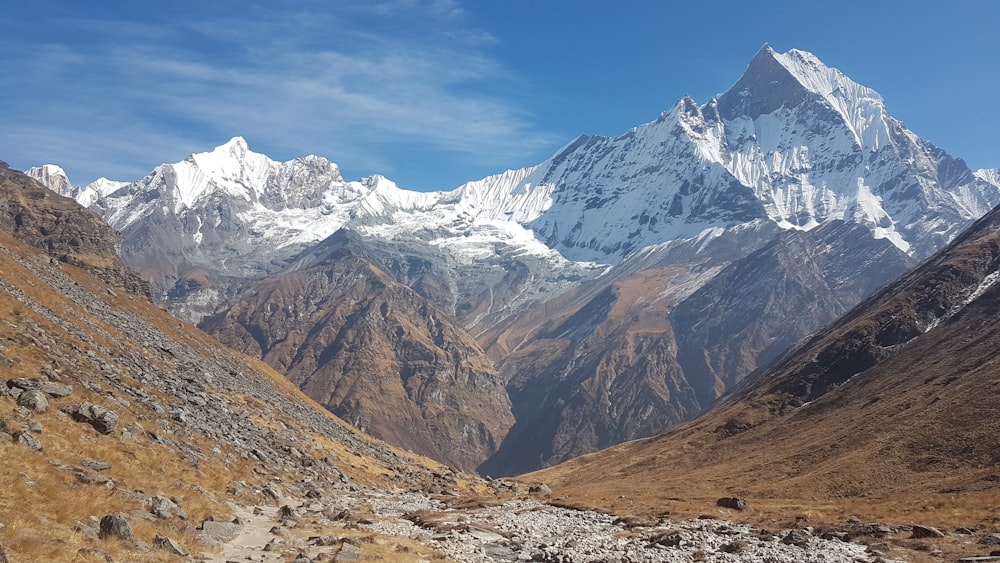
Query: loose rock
[800,538]
[164,543]
[28,440]
[348,552]
[222,531]
[734,503]
[33,400]
[102,419]
[926,532]
[115,526]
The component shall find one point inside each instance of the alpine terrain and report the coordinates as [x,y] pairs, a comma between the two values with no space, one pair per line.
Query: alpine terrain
[615,290]
[891,407]
[126,435]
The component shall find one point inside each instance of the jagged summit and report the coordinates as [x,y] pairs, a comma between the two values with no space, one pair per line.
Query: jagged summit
[785,80]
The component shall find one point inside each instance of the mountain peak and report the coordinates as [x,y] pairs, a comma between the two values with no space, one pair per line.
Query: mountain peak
[786,80]
[52,177]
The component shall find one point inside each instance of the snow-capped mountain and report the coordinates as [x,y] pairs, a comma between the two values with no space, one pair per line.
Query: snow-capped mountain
[53,177]
[793,142]
[619,287]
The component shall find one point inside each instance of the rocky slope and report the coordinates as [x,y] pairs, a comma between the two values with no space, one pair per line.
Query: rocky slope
[60,227]
[114,411]
[892,401]
[374,352]
[585,278]
[133,437]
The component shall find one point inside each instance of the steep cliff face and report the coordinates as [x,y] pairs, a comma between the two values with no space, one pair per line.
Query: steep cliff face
[374,352]
[640,352]
[67,232]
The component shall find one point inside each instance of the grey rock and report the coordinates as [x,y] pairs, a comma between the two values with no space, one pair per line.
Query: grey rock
[169,545]
[800,538]
[286,514]
[33,400]
[302,558]
[222,531]
[348,552]
[115,526]
[926,532]
[50,388]
[96,465]
[102,419]
[162,507]
[27,439]
[88,531]
[542,489]
[990,539]
[734,503]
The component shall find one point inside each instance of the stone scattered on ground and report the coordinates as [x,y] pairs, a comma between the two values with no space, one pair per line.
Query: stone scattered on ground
[115,526]
[34,401]
[169,545]
[103,420]
[734,503]
[27,439]
[926,532]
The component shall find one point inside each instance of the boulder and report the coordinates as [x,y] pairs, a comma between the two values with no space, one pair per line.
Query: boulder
[734,503]
[28,440]
[926,532]
[162,507]
[800,538]
[102,419]
[115,526]
[33,400]
[348,552]
[221,531]
[169,545]
[542,489]
[50,388]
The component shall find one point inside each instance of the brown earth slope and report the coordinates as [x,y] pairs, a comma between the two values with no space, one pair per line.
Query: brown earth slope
[110,405]
[890,411]
[375,353]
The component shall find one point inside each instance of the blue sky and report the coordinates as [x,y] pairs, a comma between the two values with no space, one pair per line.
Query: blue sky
[433,93]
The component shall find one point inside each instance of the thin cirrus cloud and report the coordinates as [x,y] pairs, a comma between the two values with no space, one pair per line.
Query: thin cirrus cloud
[291,84]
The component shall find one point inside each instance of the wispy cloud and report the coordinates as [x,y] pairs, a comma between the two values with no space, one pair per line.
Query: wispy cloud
[335,82]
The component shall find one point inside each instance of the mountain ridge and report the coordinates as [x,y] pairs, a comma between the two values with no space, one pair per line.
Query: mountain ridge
[794,154]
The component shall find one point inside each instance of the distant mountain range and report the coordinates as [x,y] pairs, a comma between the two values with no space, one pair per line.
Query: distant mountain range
[616,289]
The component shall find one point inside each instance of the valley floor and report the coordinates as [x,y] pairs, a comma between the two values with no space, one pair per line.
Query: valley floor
[359,523]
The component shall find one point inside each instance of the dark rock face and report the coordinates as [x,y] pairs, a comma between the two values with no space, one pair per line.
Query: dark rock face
[67,232]
[640,365]
[115,526]
[377,354]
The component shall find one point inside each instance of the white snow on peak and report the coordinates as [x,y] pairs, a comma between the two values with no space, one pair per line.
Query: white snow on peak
[861,107]
[231,167]
[512,195]
[53,170]
[99,188]
[53,177]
